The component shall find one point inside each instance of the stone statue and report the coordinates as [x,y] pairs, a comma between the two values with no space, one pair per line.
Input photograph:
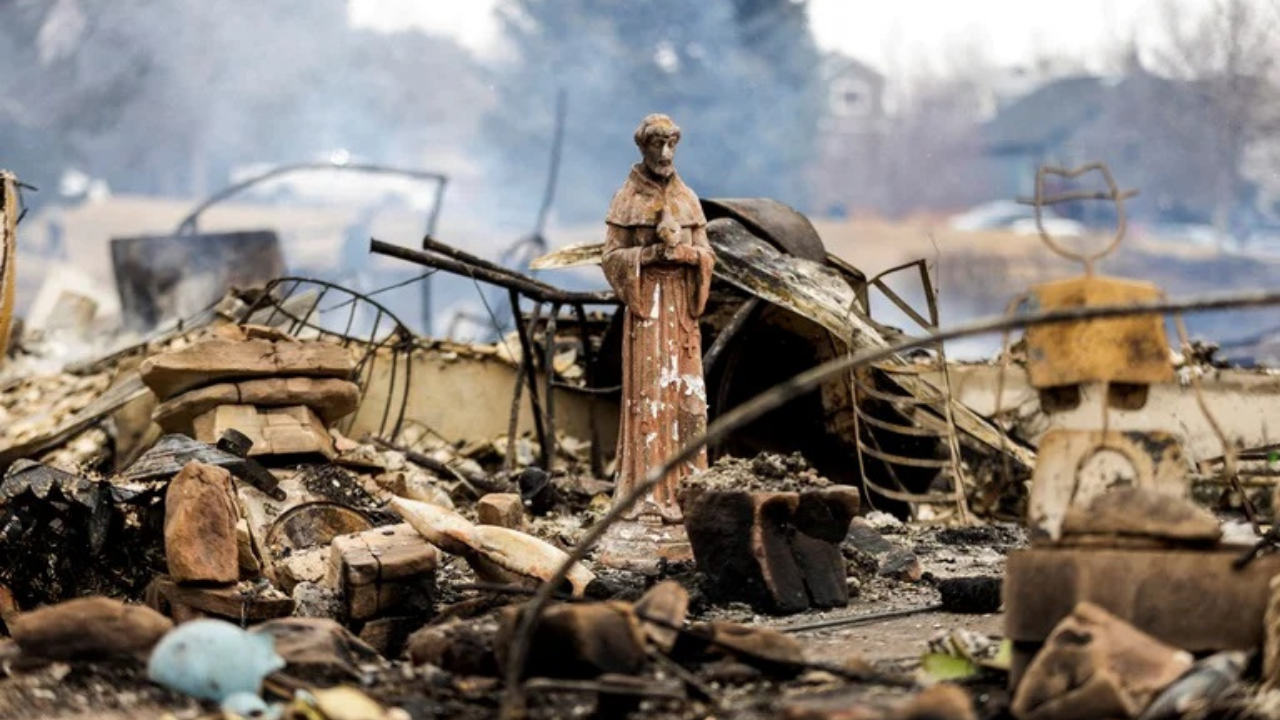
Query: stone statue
[658,261]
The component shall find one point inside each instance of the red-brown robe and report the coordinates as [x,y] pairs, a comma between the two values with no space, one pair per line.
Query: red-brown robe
[664,399]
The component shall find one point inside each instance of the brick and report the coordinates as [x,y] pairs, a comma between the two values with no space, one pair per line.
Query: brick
[384,570]
[501,509]
[87,628]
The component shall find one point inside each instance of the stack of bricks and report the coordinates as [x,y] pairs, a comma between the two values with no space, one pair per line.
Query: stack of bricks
[279,392]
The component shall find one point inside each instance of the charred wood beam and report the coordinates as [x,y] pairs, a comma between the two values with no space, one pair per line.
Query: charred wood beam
[506,279]
[549,377]
[589,359]
[527,361]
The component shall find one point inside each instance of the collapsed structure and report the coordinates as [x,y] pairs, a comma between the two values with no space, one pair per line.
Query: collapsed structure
[297,462]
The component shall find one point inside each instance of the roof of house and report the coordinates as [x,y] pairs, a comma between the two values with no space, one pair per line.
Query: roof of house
[1046,115]
[837,64]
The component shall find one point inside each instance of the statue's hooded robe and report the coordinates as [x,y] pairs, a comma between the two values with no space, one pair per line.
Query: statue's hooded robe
[664,399]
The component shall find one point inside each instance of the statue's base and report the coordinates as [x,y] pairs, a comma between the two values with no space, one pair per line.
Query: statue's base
[641,544]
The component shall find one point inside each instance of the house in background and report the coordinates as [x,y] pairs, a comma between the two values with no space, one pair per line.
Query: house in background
[852,128]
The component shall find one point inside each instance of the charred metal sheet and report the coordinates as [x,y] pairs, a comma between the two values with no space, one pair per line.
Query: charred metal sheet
[40,480]
[782,225]
[167,457]
[820,294]
[805,287]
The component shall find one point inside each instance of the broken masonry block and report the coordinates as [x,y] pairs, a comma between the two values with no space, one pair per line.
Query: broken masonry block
[293,430]
[300,565]
[778,551]
[1140,513]
[902,565]
[200,517]
[1271,637]
[383,571]
[1197,600]
[937,702]
[388,635]
[501,509]
[579,640]
[221,360]
[88,628]
[1096,665]
[740,546]
[330,398]
[315,600]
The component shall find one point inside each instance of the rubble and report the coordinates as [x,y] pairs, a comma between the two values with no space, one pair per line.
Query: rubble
[1210,681]
[377,528]
[662,609]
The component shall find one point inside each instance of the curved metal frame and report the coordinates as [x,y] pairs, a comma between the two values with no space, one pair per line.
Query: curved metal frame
[399,340]
[188,224]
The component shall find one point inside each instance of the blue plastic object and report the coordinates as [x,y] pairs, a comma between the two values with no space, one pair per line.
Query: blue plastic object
[213,660]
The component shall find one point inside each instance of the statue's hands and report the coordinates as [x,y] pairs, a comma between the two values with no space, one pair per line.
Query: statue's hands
[687,254]
[652,254]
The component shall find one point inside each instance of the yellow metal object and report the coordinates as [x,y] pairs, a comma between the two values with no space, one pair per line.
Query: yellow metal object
[1074,466]
[9,210]
[1119,350]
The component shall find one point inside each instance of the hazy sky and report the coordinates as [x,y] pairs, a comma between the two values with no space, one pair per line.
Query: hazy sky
[890,34]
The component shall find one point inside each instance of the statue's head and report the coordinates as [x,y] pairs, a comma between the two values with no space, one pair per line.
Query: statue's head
[657,137]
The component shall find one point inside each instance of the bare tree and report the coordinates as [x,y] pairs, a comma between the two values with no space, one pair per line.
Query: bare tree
[932,155]
[1226,50]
